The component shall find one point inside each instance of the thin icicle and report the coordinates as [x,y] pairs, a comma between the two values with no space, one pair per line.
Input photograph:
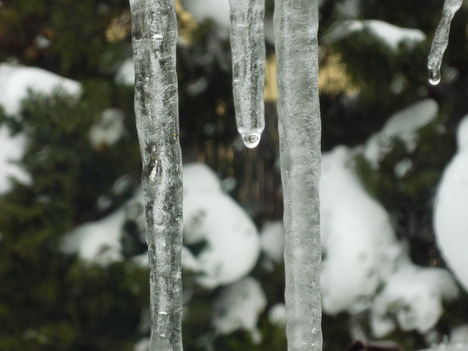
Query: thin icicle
[296,25]
[441,40]
[156,108]
[248,65]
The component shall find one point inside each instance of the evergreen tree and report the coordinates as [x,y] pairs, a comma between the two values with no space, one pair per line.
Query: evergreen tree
[50,300]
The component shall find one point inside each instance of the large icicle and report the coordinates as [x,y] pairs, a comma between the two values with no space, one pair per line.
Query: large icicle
[441,40]
[248,65]
[156,108]
[296,25]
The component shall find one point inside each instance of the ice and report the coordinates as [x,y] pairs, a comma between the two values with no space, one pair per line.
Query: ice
[16,81]
[239,307]
[154,32]
[210,216]
[441,40]
[296,26]
[248,66]
[450,219]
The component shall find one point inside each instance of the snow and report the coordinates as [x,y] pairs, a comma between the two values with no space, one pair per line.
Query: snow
[212,10]
[211,216]
[16,81]
[402,126]
[388,33]
[11,150]
[108,130]
[450,219]
[239,307]
[277,315]
[358,240]
[413,298]
[449,347]
[272,240]
[142,345]
[98,241]
[126,73]
[200,178]
[232,241]
[402,167]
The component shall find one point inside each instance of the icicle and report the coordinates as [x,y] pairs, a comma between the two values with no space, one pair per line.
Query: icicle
[441,40]
[296,25]
[248,65]
[156,108]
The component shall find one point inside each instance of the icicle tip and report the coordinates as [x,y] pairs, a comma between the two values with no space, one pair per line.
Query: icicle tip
[251,139]
[434,76]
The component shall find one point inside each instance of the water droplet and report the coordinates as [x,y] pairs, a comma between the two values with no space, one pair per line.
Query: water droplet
[434,76]
[251,140]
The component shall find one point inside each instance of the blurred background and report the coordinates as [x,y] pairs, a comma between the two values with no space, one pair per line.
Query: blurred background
[394,191]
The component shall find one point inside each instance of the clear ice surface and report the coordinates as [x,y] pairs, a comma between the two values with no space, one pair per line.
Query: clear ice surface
[441,40]
[296,25]
[154,31]
[248,66]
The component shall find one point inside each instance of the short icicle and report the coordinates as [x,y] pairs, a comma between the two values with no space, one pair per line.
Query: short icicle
[154,28]
[248,65]
[441,40]
[296,26]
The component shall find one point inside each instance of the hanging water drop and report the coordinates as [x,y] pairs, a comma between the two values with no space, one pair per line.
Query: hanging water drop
[441,40]
[251,139]
[248,65]
[434,76]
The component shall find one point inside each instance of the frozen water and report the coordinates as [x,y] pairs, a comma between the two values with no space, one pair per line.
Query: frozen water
[296,26]
[154,29]
[248,66]
[441,40]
